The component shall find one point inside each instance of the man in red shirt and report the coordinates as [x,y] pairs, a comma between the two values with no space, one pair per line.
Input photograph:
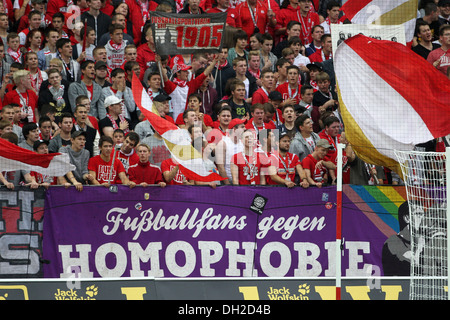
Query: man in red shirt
[139,13]
[285,165]
[440,57]
[257,123]
[268,82]
[246,165]
[224,6]
[24,96]
[146,51]
[143,172]
[308,19]
[127,154]
[291,90]
[325,53]
[99,167]
[316,172]
[172,173]
[254,16]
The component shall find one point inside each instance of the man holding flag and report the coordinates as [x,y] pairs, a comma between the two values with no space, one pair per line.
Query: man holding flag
[179,89]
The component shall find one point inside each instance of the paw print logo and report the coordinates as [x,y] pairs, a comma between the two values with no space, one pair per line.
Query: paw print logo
[303,289]
[91,291]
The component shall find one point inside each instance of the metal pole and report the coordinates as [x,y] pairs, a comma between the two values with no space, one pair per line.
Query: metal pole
[340,148]
[447,166]
[116,147]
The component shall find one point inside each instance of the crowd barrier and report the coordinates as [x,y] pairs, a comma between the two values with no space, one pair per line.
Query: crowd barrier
[270,237]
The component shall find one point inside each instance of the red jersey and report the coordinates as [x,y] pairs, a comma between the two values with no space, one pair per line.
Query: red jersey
[286,166]
[145,172]
[138,16]
[40,178]
[168,165]
[332,153]
[249,168]
[102,169]
[317,174]
[319,56]
[266,125]
[207,120]
[231,15]
[27,100]
[54,6]
[287,92]
[244,19]
[288,14]
[127,159]
[308,23]
[145,58]
[260,96]
[215,134]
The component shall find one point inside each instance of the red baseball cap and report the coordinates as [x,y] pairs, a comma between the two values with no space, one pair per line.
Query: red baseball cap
[235,122]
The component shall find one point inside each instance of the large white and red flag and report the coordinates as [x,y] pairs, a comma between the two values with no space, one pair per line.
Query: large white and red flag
[13,157]
[177,140]
[390,98]
[383,13]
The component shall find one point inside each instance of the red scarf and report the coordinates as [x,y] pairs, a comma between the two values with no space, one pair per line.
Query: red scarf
[180,83]
[255,74]
[114,123]
[144,10]
[16,55]
[36,84]
[115,46]
[221,66]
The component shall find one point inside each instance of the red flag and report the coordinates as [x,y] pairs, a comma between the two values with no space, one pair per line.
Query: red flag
[177,140]
[13,157]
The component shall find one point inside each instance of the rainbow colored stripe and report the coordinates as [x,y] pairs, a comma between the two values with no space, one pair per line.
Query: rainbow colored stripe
[379,204]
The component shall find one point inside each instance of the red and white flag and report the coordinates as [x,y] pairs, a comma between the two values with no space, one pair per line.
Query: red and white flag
[383,13]
[386,103]
[176,139]
[13,157]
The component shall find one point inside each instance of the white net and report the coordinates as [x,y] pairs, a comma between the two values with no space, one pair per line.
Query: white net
[425,181]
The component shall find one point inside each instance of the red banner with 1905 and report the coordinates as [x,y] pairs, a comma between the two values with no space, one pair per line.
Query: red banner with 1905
[187,33]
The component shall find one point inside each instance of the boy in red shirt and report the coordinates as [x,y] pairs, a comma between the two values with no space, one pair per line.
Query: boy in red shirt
[143,172]
[99,167]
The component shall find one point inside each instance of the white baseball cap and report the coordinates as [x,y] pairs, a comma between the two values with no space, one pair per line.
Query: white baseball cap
[110,100]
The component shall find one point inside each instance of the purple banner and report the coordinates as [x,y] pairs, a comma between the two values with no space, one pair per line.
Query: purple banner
[185,231]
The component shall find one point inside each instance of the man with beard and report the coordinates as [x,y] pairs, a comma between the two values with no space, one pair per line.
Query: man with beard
[316,172]
[286,165]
